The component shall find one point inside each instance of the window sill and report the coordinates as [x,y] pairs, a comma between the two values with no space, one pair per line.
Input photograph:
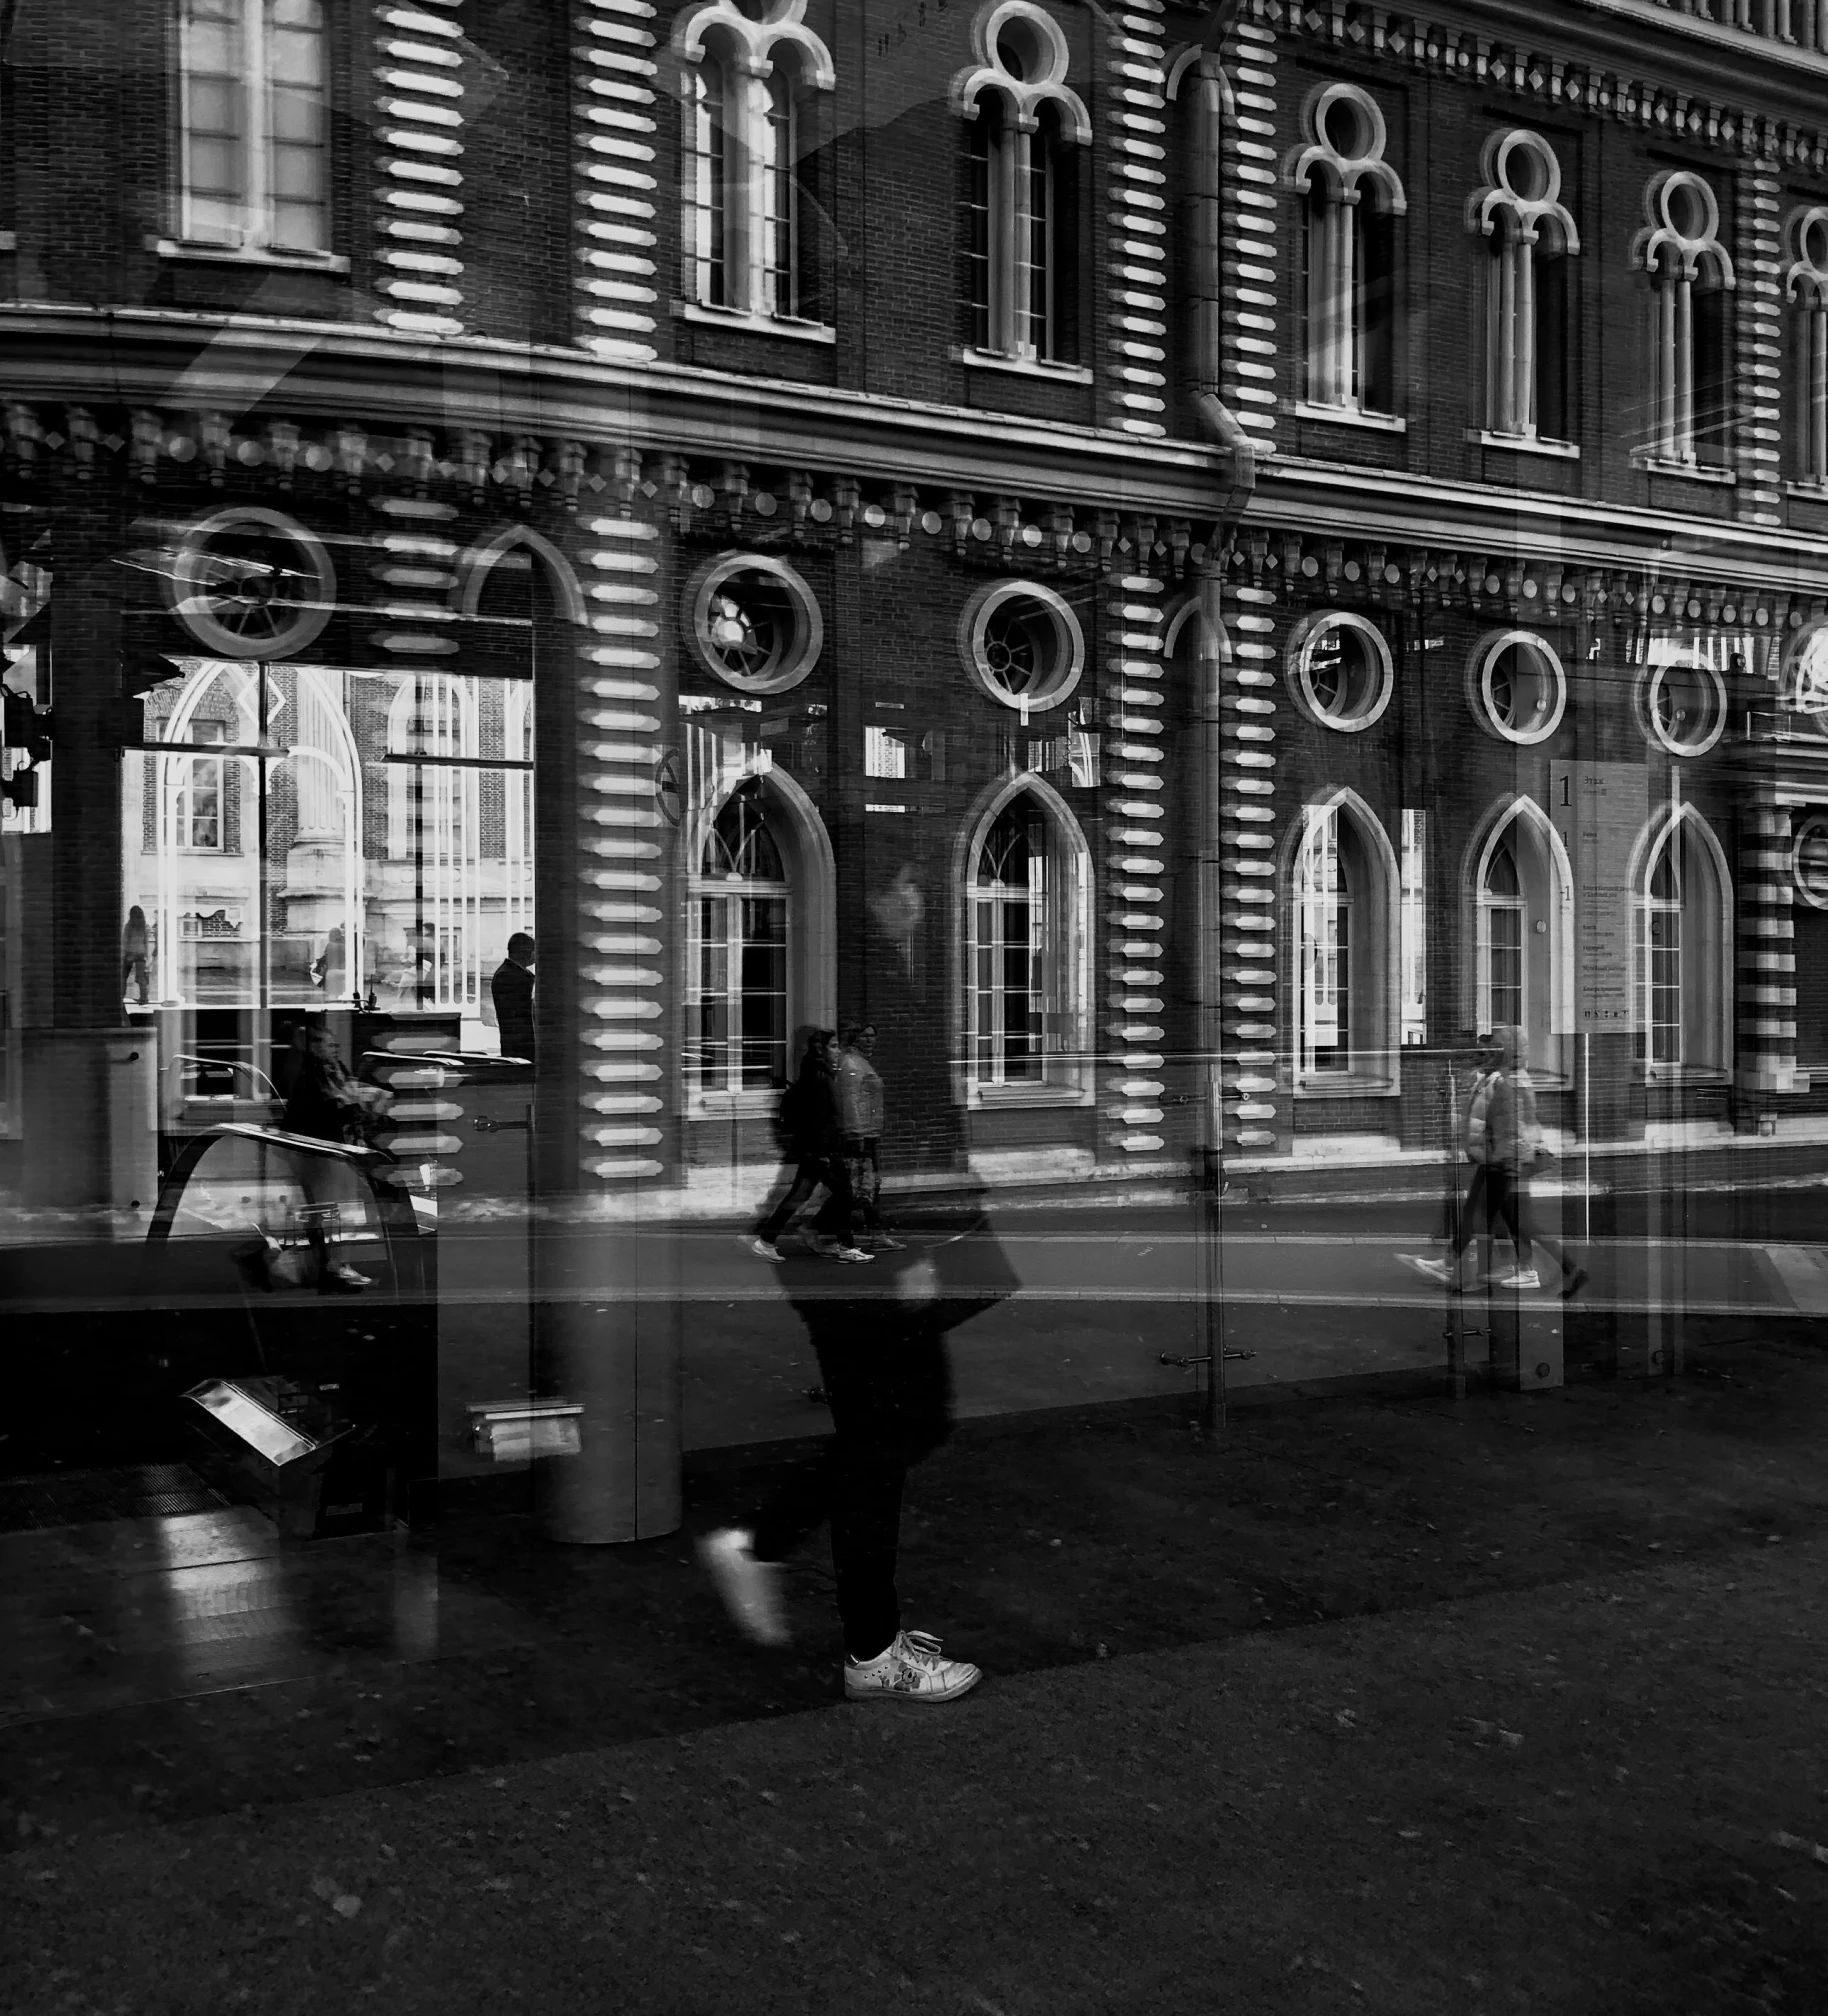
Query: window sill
[1685,1074]
[1524,444]
[756,325]
[1817,491]
[230,255]
[730,1105]
[1025,367]
[1695,472]
[1346,1086]
[1352,416]
[1000,1098]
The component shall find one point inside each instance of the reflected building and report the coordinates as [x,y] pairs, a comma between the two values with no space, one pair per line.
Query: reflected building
[1179,562]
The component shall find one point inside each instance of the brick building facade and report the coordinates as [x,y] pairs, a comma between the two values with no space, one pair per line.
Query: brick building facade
[1176,560]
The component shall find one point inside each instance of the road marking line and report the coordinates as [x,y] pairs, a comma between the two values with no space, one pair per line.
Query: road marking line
[1804,1272]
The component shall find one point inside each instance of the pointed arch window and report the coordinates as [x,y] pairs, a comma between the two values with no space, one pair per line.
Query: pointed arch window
[1532,239]
[737,1014]
[1806,290]
[1024,139]
[1347,923]
[253,107]
[1027,922]
[1523,932]
[1352,199]
[752,85]
[1683,949]
[1691,278]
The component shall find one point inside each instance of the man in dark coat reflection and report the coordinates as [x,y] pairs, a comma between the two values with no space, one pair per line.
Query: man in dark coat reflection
[511,989]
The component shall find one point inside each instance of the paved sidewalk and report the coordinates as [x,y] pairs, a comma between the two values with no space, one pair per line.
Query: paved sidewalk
[1482,1707]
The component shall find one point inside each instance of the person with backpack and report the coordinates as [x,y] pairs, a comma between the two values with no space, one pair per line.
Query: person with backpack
[812,1141]
[860,1107]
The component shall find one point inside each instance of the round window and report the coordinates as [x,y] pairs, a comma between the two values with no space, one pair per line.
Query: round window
[1519,688]
[1684,707]
[754,622]
[1342,672]
[1023,645]
[250,583]
[1809,861]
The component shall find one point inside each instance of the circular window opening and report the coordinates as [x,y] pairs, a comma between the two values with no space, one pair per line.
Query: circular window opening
[1023,645]
[754,623]
[1814,245]
[1343,126]
[1688,210]
[1685,707]
[1343,672]
[1809,861]
[1520,689]
[250,583]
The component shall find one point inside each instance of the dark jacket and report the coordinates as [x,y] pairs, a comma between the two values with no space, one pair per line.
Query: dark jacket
[1512,1134]
[511,989]
[809,1115]
[322,1102]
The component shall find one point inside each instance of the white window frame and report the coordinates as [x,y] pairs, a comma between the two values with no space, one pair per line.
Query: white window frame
[1373,978]
[1060,925]
[197,768]
[735,890]
[1806,292]
[1677,261]
[1336,260]
[258,232]
[1039,115]
[1704,1039]
[1545,904]
[739,181]
[1518,227]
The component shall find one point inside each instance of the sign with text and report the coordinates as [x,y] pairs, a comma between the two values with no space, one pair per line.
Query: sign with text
[1599,809]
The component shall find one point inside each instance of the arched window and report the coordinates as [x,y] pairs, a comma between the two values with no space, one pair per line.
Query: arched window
[1806,289]
[1346,915]
[253,107]
[1684,916]
[738,1027]
[751,157]
[1027,904]
[434,821]
[1352,200]
[1690,278]
[1532,238]
[1023,141]
[1523,930]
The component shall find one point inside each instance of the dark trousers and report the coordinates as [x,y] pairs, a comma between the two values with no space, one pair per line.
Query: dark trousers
[863,1164]
[1507,1200]
[891,1403]
[834,1214]
[1478,1198]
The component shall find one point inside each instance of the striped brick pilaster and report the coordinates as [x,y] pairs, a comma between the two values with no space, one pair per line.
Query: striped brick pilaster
[1248,255]
[419,94]
[1766,1018]
[1246,922]
[1136,296]
[1135,871]
[623,930]
[1758,346]
[617,281]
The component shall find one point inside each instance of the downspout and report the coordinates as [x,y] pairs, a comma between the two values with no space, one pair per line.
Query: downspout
[1219,425]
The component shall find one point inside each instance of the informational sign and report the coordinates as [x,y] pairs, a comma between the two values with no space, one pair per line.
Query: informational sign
[1600,809]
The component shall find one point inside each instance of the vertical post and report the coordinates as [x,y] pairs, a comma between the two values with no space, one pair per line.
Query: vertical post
[1683,363]
[1817,466]
[1523,351]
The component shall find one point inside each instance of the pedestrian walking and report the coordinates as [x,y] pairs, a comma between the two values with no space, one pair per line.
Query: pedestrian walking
[1474,1136]
[812,1140]
[1515,1148]
[860,1109]
[886,1372]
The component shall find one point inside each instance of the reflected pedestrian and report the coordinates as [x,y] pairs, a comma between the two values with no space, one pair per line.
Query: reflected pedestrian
[1515,1148]
[1474,1143]
[887,1376]
[511,990]
[135,953]
[860,1109]
[813,1144]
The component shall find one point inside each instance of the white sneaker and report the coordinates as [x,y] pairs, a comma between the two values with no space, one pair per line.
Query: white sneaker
[910,1670]
[751,1589]
[853,1254]
[1519,1277]
[885,1244]
[1436,1270]
[766,1248]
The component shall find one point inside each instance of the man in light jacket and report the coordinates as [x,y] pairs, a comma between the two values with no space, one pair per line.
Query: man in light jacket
[860,1108]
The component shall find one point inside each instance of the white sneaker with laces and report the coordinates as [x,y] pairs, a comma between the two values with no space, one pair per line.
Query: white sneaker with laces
[885,1244]
[751,1589]
[853,1254]
[910,1670]
[766,1248]
[1519,1277]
